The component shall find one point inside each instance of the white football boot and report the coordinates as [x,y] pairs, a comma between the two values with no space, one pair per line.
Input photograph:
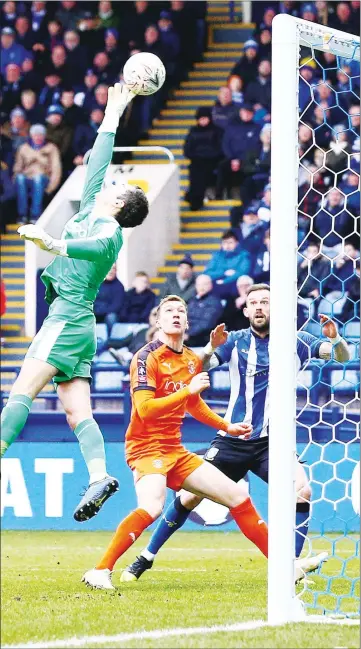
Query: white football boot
[100,579]
[308,564]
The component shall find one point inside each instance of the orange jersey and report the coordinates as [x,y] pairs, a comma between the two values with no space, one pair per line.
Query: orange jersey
[159,379]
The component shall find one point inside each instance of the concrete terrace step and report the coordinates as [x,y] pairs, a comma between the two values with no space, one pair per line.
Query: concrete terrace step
[204,214]
[190,247]
[206,73]
[198,268]
[166,131]
[214,225]
[172,123]
[212,65]
[201,256]
[196,93]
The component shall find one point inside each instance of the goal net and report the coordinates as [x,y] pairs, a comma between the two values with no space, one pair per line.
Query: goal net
[314,270]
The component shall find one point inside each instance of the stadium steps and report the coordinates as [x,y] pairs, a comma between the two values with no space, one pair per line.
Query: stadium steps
[201,230]
[12,261]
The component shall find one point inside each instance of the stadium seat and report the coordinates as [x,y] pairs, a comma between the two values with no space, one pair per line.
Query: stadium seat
[333,303]
[345,381]
[101,332]
[352,330]
[107,381]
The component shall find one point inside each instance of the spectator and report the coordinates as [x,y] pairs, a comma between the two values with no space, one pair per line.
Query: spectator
[233,314]
[170,42]
[85,97]
[60,134]
[343,19]
[59,64]
[109,301]
[322,132]
[37,169]
[39,19]
[116,50]
[305,142]
[250,232]
[264,206]
[107,18]
[235,84]
[240,136]
[350,186]
[305,83]
[138,301]
[312,272]
[203,148]
[261,268]
[102,68]
[322,12]
[354,132]
[343,270]
[68,14]
[85,135]
[17,129]
[182,283]
[227,264]
[142,16]
[73,114]
[55,34]
[355,11]
[24,35]
[12,87]
[308,12]
[184,20]
[100,97]
[351,308]
[246,67]
[257,167]
[34,114]
[266,22]
[30,78]
[51,91]
[258,92]
[76,57]
[264,50]
[204,312]
[8,17]
[11,52]
[225,109]
[152,42]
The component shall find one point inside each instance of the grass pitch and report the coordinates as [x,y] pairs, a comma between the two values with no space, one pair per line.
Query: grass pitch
[199,580]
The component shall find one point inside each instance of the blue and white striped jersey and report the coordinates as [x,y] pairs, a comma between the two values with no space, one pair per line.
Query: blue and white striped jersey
[247,355]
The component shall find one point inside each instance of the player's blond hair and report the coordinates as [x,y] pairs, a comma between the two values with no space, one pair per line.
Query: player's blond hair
[170,298]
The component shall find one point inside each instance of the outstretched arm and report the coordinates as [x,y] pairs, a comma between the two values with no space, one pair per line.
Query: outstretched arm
[106,244]
[118,98]
[218,337]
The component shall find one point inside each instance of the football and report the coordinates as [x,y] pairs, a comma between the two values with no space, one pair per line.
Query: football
[144,73]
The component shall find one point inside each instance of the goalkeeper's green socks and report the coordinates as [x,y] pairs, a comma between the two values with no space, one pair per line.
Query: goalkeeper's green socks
[91,444]
[13,419]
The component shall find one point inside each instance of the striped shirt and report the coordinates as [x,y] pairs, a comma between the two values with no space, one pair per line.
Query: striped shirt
[248,358]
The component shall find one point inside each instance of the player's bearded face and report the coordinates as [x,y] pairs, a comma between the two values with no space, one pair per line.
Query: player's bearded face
[258,311]
[172,319]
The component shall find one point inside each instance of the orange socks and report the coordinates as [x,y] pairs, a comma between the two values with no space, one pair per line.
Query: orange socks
[127,532]
[252,525]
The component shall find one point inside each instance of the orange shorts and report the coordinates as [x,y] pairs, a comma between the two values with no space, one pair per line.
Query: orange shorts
[177,465]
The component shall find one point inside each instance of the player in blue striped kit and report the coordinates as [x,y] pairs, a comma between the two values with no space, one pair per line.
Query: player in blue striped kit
[246,351]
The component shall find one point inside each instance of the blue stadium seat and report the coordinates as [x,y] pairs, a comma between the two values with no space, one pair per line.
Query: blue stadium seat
[123,329]
[352,330]
[345,381]
[332,304]
[107,381]
[101,331]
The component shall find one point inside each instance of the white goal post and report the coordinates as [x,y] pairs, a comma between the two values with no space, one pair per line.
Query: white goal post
[288,35]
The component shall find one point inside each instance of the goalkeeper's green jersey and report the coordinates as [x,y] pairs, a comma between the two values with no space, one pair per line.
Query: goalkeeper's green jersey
[93,243]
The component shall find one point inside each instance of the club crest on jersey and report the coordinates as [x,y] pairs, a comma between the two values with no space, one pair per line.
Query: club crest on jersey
[191,367]
[157,464]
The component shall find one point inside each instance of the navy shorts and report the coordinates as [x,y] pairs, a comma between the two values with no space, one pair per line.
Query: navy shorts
[235,457]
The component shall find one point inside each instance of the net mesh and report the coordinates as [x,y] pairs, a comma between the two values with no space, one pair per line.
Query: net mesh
[328,283]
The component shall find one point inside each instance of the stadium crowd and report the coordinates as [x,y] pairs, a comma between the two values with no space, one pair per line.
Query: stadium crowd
[57,60]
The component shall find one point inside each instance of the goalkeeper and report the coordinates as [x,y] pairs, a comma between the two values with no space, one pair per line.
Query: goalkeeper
[64,348]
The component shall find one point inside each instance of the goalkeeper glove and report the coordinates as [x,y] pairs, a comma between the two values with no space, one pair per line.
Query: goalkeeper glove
[43,240]
[119,97]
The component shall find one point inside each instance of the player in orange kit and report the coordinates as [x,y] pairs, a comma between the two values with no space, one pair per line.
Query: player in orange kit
[166,381]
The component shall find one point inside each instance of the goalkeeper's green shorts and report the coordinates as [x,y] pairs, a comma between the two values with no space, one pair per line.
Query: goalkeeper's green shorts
[66,340]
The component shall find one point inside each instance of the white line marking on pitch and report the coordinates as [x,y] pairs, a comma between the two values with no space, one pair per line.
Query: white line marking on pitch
[166,633]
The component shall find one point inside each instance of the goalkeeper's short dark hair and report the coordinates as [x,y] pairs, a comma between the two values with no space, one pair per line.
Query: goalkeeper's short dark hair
[134,210]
